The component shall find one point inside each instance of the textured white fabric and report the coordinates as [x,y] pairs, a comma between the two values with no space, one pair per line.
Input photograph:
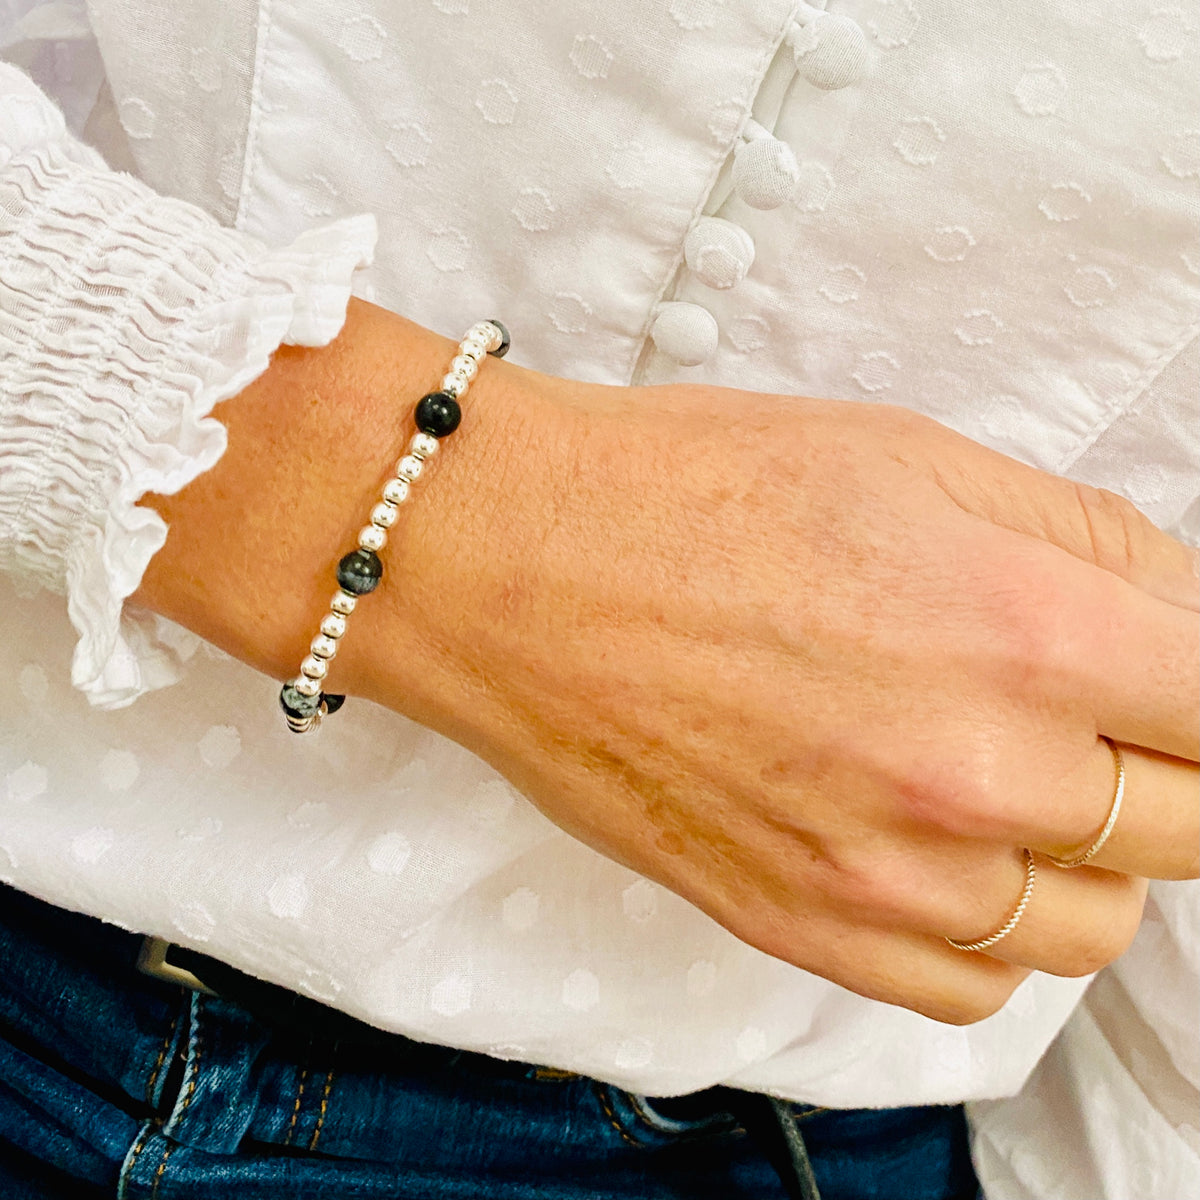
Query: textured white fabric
[124,317]
[1015,257]
[1130,1041]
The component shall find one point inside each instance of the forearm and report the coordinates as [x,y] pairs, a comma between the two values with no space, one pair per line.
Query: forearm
[253,543]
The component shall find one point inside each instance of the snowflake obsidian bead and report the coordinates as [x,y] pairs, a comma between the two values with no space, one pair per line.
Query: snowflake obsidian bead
[438,414]
[297,706]
[359,572]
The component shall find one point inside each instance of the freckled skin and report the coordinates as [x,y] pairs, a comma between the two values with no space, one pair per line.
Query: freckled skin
[822,669]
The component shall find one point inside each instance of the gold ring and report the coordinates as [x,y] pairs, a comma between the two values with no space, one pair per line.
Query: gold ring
[1114,809]
[1011,923]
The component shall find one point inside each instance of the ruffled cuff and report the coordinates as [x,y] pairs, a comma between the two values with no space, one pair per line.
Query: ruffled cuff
[125,317]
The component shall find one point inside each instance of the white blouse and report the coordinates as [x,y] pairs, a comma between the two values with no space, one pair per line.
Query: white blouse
[947,206]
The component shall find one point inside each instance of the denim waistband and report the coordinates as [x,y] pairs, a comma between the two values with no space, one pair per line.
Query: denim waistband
[127,1086]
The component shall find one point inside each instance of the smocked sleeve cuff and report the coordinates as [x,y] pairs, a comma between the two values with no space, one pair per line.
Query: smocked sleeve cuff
[125,317]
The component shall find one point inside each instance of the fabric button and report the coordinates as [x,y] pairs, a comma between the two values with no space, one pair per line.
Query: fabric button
[719,252]
[830,51]
[685,332]
[764,172]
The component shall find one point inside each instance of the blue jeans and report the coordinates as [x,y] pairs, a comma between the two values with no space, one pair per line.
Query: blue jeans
[113,1084]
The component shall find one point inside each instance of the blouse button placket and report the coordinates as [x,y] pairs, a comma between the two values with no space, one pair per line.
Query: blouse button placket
[830,52]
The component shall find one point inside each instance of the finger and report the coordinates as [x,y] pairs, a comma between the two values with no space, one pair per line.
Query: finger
[1074,923]
[1091,524]
[1056,799]
[1097,642]
[1157,830]
[913,970]
[896,961]
[1141,673]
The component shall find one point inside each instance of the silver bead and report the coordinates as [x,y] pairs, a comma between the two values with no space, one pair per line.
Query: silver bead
[314,668]
[343,603]
[423,446]
[409,467]
[305,724]
[333,625]
[371,537]
[493,338]
[395,491]
[383,515]
[454,384]
[463,364]
[323,647]
[306,686]
[473,347]
[481,331]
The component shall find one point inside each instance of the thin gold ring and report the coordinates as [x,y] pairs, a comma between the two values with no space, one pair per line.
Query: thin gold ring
[1011,923]
[1114,810]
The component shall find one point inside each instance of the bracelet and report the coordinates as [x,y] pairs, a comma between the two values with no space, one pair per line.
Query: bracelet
[437,416]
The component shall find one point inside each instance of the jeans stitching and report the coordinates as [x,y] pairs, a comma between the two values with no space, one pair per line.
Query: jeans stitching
[606,1105]
[196,1051]
[640,1112]
[291,1129]
[162,1055]
[138,1146]
[162,1167]
[553,1075]
[312,1145]
[807,1113]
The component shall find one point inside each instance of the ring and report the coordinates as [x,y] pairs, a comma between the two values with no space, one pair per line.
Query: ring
[1011,923]
[1114,810]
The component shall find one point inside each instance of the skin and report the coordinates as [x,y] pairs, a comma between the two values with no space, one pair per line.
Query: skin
[822,669]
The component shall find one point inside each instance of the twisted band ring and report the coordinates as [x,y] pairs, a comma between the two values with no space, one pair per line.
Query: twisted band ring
[1114,809]
[1011,923]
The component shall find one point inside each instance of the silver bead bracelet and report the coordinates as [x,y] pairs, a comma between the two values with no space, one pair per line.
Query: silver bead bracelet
[437,415]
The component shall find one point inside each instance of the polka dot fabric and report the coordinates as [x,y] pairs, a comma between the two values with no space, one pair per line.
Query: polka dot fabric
[966,216]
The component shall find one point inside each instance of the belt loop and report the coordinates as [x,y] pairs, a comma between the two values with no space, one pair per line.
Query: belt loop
[771,1123]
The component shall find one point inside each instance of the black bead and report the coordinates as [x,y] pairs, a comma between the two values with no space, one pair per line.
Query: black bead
[332,702]
[438,414]
[505,340]
[296,705]
[359,572]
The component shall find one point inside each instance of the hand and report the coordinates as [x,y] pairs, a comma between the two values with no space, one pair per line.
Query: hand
[822,669]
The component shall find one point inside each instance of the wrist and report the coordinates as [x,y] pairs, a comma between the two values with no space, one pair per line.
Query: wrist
[253,546]
[464,555]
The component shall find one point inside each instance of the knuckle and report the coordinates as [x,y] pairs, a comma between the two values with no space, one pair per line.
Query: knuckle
[957,791]
[1117,532]
[1035,622]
